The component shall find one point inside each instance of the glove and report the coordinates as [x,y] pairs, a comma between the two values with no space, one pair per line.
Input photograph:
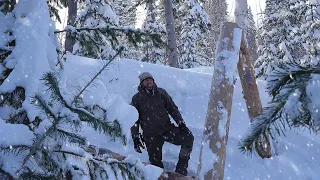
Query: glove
[138,144]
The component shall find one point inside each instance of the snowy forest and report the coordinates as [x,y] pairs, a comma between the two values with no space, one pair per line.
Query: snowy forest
[244,84]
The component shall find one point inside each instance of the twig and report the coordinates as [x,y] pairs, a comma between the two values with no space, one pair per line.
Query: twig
[77,96]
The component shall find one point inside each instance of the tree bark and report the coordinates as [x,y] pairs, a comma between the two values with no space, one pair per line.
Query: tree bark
[152,10]
[173,54]
[72,15]
[220,102]
[252,97]
[241,12]
[147,47]
[248,80]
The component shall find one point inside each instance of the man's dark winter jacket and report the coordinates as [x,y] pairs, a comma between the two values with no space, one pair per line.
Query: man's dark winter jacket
[154,109]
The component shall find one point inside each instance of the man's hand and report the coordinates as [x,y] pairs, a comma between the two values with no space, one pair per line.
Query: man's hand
[137,144]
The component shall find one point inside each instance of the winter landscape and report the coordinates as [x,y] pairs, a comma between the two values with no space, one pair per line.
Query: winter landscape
[247,91]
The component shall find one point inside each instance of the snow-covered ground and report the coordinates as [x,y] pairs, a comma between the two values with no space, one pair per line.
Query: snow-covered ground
[298,153]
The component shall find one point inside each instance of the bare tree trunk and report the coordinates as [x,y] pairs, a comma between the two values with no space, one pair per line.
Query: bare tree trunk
[173,54]
[216,131]
[152,5]
[72,15]
[241,12]
[148,46]
[248,80]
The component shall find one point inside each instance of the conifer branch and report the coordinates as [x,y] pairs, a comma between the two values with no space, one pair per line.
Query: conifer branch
[100,125]
[8,175]
[40,102]
[18,117]
[51,81]
[71,137]
[31,175]
[135,35]
[42,105]
[284,83]
[88,84]
[70,153]
[15,149]
[48,162]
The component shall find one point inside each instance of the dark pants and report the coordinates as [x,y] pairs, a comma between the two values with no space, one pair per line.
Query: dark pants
[175,136]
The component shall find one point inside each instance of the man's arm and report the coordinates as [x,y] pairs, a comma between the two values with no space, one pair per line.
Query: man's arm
[135,127]
[173,109]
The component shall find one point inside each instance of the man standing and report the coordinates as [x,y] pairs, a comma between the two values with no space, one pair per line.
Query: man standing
[154,105]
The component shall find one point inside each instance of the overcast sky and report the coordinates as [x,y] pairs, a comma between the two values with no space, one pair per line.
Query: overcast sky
[256,6]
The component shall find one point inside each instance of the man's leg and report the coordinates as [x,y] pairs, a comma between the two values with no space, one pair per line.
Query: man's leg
[178,137]
[154,147]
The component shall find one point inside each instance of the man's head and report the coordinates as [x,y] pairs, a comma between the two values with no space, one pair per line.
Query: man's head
[146,80]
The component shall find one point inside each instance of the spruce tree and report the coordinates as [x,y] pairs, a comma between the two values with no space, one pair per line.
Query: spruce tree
[96,44]
[195,22]
[55,6]
[98,34]
[7,41]
[217,11]
[50,153]
[308,34]
[55,148]
[126,11]
[151,53]
[278,33]
[293,84]
[160,16]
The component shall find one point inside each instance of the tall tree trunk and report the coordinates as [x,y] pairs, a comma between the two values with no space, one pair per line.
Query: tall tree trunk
[151,12]
[217,11]
[215,136]
[248,80]
[152,5]
[173,54]
[72,15]
[241,12]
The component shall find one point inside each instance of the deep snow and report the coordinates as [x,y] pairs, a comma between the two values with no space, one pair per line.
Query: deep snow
[298,152]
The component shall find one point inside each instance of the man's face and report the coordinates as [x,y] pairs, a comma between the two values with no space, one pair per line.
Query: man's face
[148,83]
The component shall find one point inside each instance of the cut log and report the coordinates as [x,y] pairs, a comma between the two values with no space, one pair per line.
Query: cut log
[106,153]
[252,97]
[248,80]
[216,131]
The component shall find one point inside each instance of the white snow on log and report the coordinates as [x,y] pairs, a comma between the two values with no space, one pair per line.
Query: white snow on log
[229,59]
[223,119]
[207,159]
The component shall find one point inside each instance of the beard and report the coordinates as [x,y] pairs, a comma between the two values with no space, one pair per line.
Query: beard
[149,86]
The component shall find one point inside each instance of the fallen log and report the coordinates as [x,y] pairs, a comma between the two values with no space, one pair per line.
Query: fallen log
[166,175]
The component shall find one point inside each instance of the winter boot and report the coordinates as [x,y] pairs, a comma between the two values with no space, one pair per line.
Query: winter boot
[182,166]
